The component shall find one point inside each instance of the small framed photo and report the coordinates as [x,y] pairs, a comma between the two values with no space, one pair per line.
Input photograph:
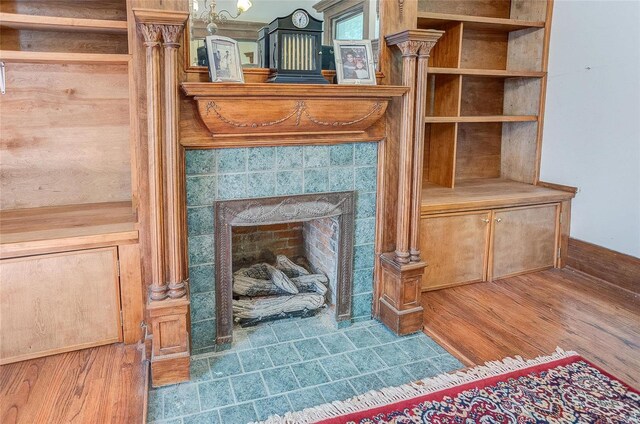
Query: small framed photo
[354,62]
[224,59]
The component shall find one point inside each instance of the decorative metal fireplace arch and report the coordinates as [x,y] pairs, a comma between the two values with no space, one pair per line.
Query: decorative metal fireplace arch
[281,210]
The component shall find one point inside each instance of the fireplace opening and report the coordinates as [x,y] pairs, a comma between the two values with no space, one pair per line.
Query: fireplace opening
[282,257]
[283,270]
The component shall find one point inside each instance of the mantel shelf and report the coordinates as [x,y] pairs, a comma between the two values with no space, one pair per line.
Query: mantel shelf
[270,114]
[331,91]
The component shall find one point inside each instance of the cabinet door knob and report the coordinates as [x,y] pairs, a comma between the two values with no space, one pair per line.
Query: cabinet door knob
[486,220]
[498,219]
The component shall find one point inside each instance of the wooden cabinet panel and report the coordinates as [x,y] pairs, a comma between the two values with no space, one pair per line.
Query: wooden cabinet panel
[524,240]
[57,303]
[455,248]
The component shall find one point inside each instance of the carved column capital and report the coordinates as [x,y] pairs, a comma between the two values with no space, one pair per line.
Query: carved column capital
[171,35]
[425,48]
[152,34]
[409,48]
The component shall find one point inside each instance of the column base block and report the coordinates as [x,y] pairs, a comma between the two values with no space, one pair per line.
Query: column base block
[170,369]
[399,304]
[401,322]
[170,341]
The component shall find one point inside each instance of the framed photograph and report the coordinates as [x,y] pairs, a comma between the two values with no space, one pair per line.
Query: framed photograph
[224,59]
[354,62]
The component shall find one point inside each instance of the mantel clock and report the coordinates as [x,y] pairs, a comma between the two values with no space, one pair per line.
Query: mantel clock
[295,46]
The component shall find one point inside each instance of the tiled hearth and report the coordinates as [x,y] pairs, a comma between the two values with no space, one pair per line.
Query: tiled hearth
[262,172]
[292,365]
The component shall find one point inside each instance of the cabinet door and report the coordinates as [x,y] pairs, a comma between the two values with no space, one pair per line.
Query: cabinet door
[455,248]
[57,303]
[524,240]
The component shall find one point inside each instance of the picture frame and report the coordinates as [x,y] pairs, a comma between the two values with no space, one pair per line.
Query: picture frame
[223,54]
[354,62]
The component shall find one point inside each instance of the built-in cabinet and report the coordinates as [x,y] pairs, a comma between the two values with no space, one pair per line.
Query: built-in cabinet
[469,247]
[523,240]
[58,302]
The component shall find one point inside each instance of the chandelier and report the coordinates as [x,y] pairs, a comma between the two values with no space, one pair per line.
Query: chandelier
[213,17]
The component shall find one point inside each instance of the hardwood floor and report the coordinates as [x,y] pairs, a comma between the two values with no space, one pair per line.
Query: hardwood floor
[530,315]
[105,384]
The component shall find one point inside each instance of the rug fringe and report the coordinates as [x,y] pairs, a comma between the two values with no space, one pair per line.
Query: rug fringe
[389,395]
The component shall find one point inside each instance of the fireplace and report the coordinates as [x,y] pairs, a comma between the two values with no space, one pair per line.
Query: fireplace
[324,222]
[253,174]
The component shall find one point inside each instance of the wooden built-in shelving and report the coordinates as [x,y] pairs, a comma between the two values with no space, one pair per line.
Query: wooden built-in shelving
[47,229]
[497,73]
[488,118]
[56,23]
[56,57]
[486,193]
[436,20]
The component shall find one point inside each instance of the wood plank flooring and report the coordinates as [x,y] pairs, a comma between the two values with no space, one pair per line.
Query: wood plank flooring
[105,384]
[530,315]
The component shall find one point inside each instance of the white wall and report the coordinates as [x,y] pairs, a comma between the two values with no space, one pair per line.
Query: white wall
[592,119]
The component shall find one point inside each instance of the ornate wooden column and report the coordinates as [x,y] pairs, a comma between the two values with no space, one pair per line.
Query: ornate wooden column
[152,40]
[173,179]
[418,143]
[168,301]
[399,304]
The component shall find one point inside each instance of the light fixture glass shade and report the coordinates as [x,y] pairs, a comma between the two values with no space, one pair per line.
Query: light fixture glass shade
[244,5]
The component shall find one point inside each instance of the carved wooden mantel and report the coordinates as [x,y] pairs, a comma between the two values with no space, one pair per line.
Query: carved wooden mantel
[259,114]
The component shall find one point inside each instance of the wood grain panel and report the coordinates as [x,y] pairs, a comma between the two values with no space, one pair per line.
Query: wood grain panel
[478,150]
[524,239]
[518,150]
[60,302]
[106,384]
[614,267]
[86,9]
[442,153]
[59,41]
[489,8]
[446,52]
[50,110]
[446,95]
[131,292]
[484,49]
[529,10]
[526,49]
[455,248]
[522,96]
[483,96]
[531,314]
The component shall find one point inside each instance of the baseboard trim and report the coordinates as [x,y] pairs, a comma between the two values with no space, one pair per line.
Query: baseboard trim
[615,268]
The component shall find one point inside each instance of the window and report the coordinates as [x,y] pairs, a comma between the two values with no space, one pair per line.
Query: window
[349,26]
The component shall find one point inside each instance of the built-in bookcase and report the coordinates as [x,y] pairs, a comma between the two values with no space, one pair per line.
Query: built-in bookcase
[73,28]
[484,90]
[485,215]
[68,209]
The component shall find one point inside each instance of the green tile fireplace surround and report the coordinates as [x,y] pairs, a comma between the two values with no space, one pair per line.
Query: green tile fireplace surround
[254,172]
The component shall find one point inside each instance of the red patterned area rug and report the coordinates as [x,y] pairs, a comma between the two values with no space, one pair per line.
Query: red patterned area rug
[561,388]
